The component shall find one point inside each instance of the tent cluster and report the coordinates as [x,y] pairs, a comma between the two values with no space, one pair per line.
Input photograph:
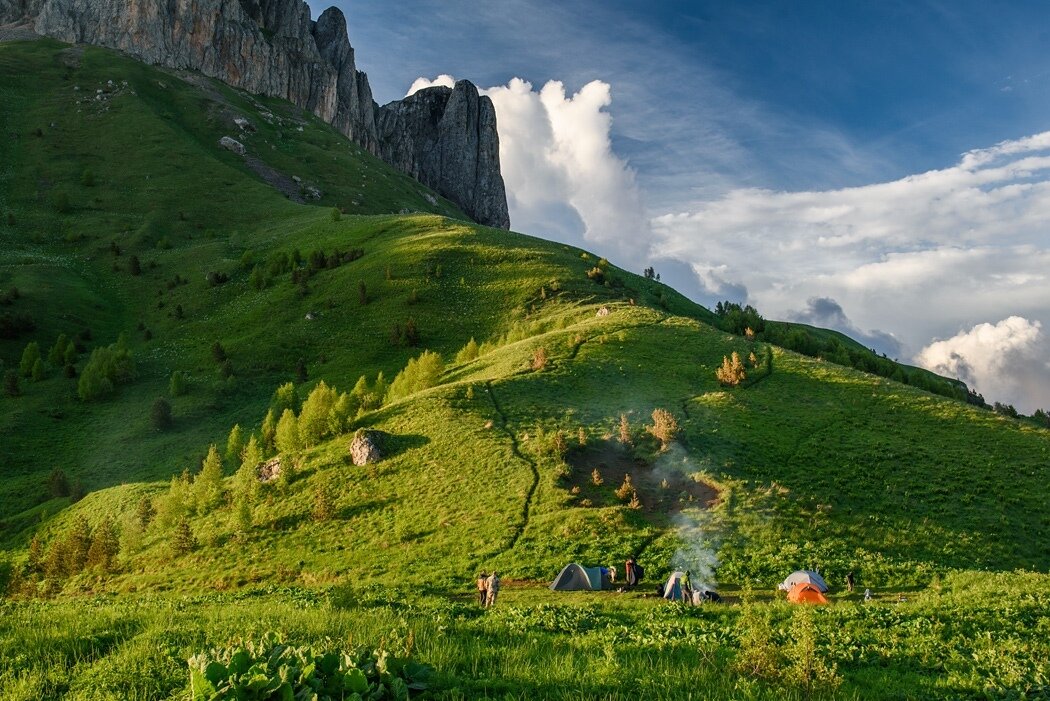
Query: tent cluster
[805,587]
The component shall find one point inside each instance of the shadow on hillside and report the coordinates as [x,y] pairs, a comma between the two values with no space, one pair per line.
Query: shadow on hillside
[394,445]
[360,508]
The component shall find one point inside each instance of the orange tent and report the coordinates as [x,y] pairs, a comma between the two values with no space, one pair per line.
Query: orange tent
[806,593]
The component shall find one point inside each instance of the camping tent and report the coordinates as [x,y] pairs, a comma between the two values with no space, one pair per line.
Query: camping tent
[574,577]
[673,589]
[805,577]
[806,593]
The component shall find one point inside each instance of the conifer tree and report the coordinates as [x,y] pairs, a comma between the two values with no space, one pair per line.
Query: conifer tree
[313,419]
[234,445]
[286,437]
[246,480]
[105,545]
[664,428]
[78,542]
[625,430]
[268,431]
[183,540]
[207,485]
[30,355]
[56,356]
[145,512]
[324,504]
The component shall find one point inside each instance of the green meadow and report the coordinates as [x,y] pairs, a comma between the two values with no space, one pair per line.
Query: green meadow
[129,235]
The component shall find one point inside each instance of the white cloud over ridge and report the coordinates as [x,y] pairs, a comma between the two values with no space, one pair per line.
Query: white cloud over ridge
[564,182]
[922,256]
[1009,356]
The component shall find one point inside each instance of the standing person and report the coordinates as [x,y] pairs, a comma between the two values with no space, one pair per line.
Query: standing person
[851,581]
[629,573]
[612,573]
[492,589]
[687,588]
[483,588]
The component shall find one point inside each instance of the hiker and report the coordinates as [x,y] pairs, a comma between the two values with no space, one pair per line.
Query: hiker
[867,595]
[483,588]
[612,574]
[492,590]
[687,588]
[850,581]
[632,579]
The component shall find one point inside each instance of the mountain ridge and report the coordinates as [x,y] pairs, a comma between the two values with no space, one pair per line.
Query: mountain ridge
[274,48]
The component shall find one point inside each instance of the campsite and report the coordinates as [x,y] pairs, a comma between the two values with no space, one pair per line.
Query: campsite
[251,418]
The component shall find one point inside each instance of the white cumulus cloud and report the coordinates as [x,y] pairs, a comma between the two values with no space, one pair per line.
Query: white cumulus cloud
[563,179]
[921,257]
[1006,359]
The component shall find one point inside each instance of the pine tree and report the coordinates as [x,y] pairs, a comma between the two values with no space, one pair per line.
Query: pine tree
[596,478]
[207,485]
[69,356]
[36,554]
[268,431]
[246,480]
[468,352]
[160,414]
[234,445]
[145,512]
[286,437]
[177,384]
[56,356]
[313,419]
[78,542]
[30,355]
[105,546]
[625,430]
[58,483]
[664,427]
[38,370]
[324,504]
[183,540]
[626,489]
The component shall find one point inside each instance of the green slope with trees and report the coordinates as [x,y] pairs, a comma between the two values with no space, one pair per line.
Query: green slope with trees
[171,321]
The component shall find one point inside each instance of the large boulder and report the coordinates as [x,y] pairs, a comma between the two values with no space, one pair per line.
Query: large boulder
[364,448]
[270,470]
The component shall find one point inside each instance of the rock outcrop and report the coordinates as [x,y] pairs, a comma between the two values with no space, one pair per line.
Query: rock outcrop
[447,139]
[364,448]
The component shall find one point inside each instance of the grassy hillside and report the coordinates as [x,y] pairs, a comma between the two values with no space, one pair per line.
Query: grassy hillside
[126,227]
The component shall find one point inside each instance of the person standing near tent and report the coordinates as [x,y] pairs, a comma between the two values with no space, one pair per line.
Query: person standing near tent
[850,581]
[492,590]
[628,568]
[612,573]
[483,588]
[687,588]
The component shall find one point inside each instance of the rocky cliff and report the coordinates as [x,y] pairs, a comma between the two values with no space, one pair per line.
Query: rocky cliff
[272,47]
[446,138]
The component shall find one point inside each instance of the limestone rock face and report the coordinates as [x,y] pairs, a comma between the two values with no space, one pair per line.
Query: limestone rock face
[447,139]
[231,144]
[272,47]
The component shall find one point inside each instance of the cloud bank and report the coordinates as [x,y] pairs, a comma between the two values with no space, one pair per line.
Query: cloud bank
[1009,357]
[925,255]
[564,182]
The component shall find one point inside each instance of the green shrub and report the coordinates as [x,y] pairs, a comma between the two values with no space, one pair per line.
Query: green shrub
[270,669]
[160,415]
[106,368]
[421,373]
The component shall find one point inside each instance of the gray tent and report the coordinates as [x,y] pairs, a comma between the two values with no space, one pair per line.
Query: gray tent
[804,577]
[574,577]
[673,590]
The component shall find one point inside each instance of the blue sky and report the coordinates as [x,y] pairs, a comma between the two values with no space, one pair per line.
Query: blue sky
[810,158]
